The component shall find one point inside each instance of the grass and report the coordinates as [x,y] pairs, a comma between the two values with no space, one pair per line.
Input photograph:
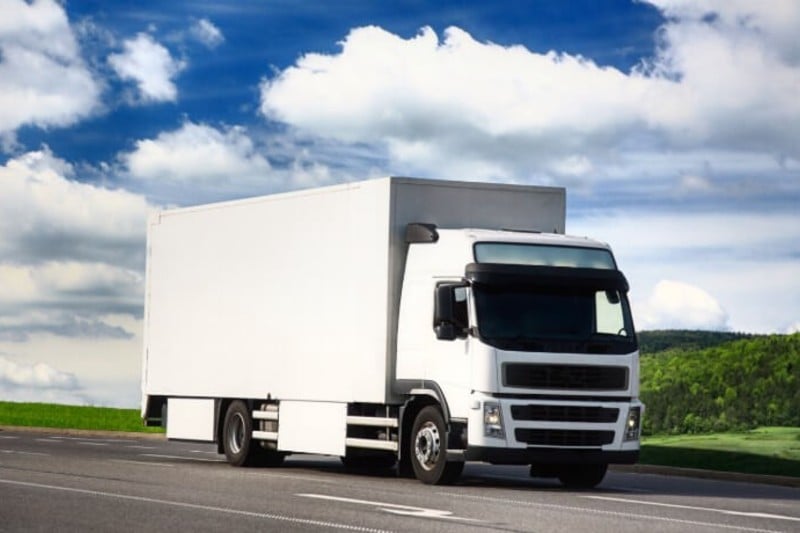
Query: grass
[768,450]
[72,417]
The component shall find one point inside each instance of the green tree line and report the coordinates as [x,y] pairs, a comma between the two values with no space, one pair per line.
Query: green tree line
[664,339]
[726,386]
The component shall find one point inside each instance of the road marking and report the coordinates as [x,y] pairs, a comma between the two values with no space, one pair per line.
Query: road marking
[24,453]
[145,463]
[161,456]
[139,447]
[48,440]
[184,505]
[117,441]
[9,437]
[646,518]
[405,510]
[93,443]
[320,479]
[627,489]
[694,508]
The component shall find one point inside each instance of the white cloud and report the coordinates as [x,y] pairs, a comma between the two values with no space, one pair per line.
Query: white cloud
[70,252]
[107,368]
[45,214]
[207,33]
[65,298]
[150,65]
[34,376]
[678,305]
[776,23]
[43,79]
[519,114]
[40,382]
[692,183]
[430,102]
[196,153]
[793,328]
[71,285]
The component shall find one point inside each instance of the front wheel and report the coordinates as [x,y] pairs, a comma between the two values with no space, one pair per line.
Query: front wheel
[428,449]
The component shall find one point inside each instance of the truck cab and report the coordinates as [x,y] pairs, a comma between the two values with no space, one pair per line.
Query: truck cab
[526,341]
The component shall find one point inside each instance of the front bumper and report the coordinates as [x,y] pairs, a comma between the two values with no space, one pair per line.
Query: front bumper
[552,430]
[526,456]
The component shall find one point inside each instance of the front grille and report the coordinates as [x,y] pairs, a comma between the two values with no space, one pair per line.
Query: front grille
[576,377]
[564,437]
[565,413]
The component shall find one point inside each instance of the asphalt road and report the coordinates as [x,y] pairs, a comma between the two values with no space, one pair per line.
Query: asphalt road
[75,483]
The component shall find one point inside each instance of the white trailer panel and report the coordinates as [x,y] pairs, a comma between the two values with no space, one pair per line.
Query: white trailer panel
[190,419]
[313,427]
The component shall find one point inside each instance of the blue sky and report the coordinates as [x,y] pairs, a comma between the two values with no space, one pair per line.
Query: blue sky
[674,126]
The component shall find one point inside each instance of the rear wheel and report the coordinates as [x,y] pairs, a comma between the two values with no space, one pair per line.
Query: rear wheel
[237,435]
[582,476]
[428,449]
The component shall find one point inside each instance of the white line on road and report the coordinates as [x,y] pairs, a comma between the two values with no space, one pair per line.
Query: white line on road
[9,437]
[694,508]
[646,518]
[161,456]
[115,441]
[48,440]
[185,505]
[141,463]
[24,453]
[93,443]
[405,510]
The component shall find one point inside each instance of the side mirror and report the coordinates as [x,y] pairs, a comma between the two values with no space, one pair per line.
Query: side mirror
[450,311]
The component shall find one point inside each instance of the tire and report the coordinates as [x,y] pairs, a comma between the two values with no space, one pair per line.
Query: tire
[237,436]
[428,449]
[582,476]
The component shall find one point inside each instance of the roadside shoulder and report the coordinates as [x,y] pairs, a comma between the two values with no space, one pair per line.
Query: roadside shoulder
[785,481]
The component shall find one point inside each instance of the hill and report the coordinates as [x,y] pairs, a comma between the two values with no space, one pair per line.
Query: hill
[665,339]
[735,385]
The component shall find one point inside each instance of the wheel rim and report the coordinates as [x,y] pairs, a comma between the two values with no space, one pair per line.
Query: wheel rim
[427,445]
[236,433]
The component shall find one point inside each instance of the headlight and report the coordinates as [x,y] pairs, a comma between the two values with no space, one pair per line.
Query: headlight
[493,421]
[632,424]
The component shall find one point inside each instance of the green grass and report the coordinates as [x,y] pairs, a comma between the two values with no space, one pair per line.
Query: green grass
[768,450]
[72,417]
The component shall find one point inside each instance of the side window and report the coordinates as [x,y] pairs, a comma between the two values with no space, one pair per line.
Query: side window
[609,315]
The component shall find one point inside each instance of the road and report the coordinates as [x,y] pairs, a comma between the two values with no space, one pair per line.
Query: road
[53,482]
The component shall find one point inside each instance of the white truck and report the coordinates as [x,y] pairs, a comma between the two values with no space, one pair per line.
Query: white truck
[421,323]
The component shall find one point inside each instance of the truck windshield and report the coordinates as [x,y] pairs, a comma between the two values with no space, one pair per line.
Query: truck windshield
[554,319]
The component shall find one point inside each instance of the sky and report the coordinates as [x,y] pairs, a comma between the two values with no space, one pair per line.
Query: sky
[673,124]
